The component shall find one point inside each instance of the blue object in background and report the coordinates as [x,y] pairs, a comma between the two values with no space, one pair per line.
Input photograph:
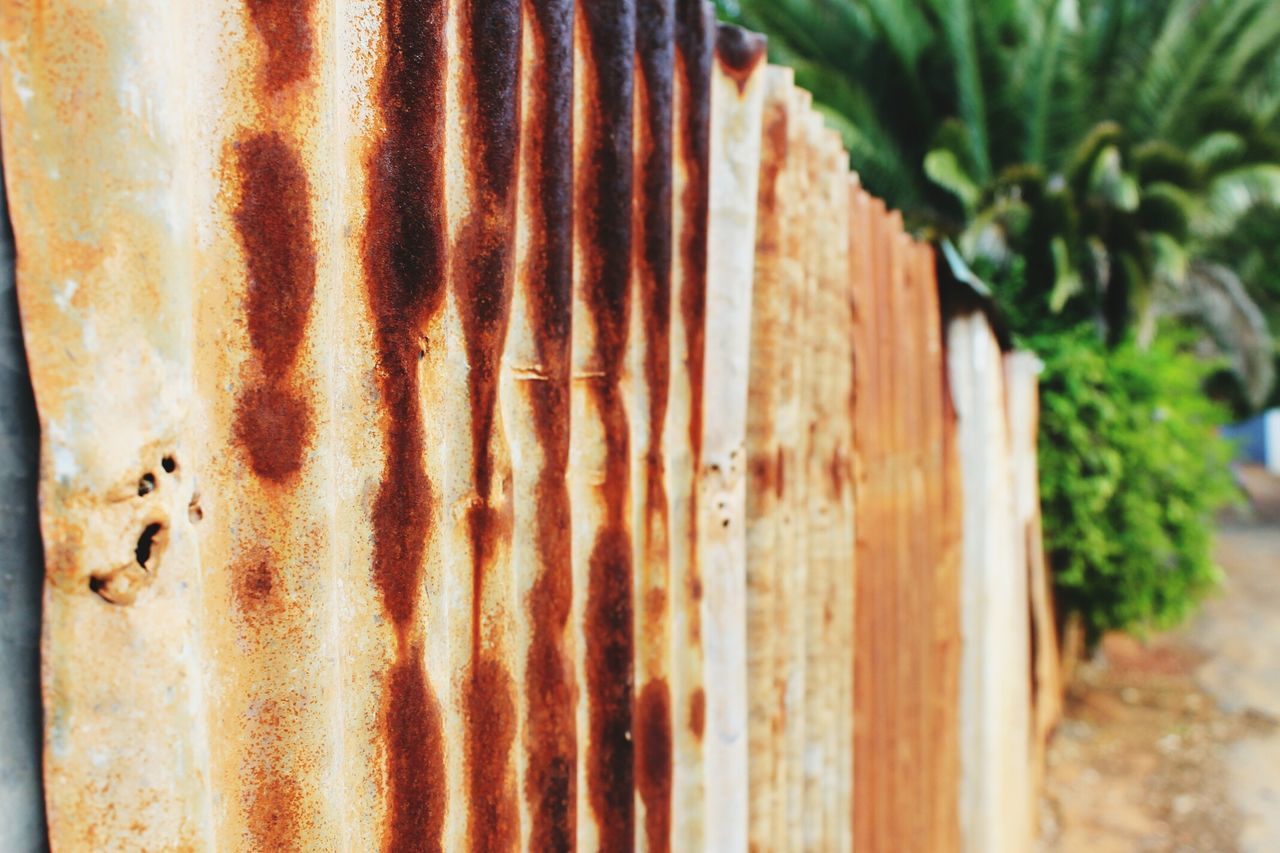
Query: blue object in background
[1257,439]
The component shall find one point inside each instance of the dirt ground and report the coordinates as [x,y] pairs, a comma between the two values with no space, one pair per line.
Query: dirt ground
[1173,744]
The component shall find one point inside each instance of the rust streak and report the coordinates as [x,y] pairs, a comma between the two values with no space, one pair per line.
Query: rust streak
[603,218]
[653,762]
[652,252]
[694,46]
[274,821]
[273,224]
[404,275]
[698,712]
[481,278]
[546,164]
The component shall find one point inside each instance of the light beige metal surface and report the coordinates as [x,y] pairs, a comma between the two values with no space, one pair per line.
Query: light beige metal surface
[995,701]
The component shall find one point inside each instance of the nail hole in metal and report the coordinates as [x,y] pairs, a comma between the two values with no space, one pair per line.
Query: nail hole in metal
[143,551]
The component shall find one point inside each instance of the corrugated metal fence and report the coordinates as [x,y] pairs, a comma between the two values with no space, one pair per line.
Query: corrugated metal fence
[428,461]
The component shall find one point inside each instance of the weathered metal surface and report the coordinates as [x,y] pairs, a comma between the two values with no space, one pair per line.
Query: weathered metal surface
[488,425]
[599,473]
[1022,377]
[649,369]
[107,309]
[695,37]
[772,331]
[995,701]
[905,666]
[737,100]
[21,803]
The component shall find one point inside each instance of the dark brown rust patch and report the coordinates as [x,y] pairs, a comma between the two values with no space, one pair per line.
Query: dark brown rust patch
[273,224]
[610,759]
[404,272]
[550,731]
[482,280]
[491,721]
[652,250]
[739,52]
[655,53]
[694,23]
[698,712]
[603,220]
[546,157]
[411,727]
[273,425]
[653,762]
[285,27]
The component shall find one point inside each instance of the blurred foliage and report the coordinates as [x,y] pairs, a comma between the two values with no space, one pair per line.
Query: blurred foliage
[1102,145]
[1253,250]
[1132,471]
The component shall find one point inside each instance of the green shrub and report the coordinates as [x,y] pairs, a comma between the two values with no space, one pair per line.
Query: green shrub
[1132,473]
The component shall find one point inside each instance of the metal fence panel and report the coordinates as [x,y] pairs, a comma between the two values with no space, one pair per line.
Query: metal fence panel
[494,425]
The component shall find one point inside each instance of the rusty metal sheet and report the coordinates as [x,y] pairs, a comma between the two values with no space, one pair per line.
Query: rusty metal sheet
[649,370]
[904,735]
[106,304]
[772,331]
[695,45]
[496,425]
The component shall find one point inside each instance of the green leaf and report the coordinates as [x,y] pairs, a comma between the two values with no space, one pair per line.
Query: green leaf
[944,169]
[1067,282]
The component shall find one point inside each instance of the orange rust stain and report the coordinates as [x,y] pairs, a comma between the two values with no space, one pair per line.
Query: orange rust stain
[698,712]
[273,814]
[253,582]
[404,277]
[285,27]
[653,762]
[780,473]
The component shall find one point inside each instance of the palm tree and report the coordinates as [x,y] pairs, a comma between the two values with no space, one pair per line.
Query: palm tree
[1102,143]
